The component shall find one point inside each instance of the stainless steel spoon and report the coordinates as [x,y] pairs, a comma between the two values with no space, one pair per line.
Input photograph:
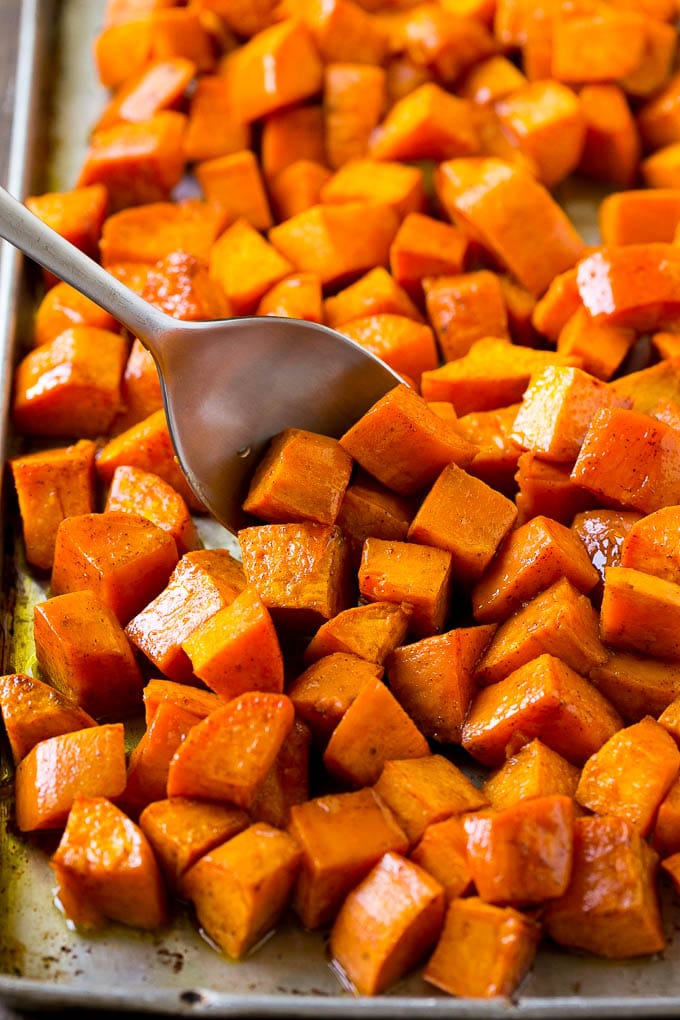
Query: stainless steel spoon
[228,386]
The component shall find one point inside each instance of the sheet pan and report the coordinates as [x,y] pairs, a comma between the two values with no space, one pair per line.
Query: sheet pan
[42,963]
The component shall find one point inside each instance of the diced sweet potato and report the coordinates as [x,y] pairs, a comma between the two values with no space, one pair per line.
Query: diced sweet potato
[640,613]
[145,493]
[442,853]
[33,711]
[535,771]
[325,690]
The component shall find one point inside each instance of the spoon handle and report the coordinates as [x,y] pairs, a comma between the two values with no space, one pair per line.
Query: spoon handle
[25,231]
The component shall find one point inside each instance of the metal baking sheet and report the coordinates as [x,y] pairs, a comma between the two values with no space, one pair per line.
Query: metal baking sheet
[43,964]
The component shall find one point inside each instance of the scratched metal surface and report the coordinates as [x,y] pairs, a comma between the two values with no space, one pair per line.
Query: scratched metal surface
[47,107]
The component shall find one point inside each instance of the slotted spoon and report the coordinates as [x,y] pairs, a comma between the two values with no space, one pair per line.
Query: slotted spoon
[228,385]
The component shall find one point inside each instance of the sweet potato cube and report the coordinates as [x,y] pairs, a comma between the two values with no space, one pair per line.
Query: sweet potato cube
[123,558]
[631,774]
[532,558]
[403,443]
[150,232]
[159,85]
[234,183]
[604,33]
[325,690]
[417,575]
[181,830]
[277,67]
[600,347]
[214,126]
[556,411]
[640,613]
[62,307]
[611,149]
[466,517]
[146,444]
[651,545]
[387,924]
[465,308]
[633,285]
[82,649]
[549,490]
[354,98]
[406,346]
[291,135]
[420,791]
[77,215]
[141,393]
[535,771]
[428,123]
[144,493]
[237,649]
[182,286]
[287,782]
[544,698]
[512,215]
[339,242]
[445,40]
[603,533]
[147,777]
[491,79]
[137,163]
[442,853]
[341,29]
[497,454]
[302,476]
[33,711]
[70,386]
[123,48]
[246,266]
[241,888]
[106,870]
[51,485]
[334,861]
[425,247]
[374,729]
[370,631]
[297,296]
[297,188]
[636,685]
[374,293]
[522,854]
[559,621]
[494,373]
[227,755]
[394,184]
[650,387]
[370,509]
[194,700]
[202,583]
[433,679]
[56,771]
[181,32]
[610,907]
[484,950]
[300,571]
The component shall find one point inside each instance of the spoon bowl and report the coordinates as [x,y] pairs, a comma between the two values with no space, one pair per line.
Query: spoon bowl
[229,385]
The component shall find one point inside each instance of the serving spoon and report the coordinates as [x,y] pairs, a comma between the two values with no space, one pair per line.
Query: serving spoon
[229,385]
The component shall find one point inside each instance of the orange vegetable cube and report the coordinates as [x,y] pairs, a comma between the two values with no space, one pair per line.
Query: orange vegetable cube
[491,79]
[373,294]
[151,232]
[640,612]
[610,907]
[603,45]
[202,583]
[214,126]
[339,242]
[342,30]
[640,217]
[56,771]
[544,698]
[277,67]
[370,510]
[403,443]
[535,771]
[287,782]
[600,347]
[433,679]
[416,575]
[51,485]
[300,571]
[241,888]
[420,791]
[181,831]
[325,690]
[32,711]
[549,490]
[237,649]
[246,266]
[387,924]
[465,308]
[297,188]
[484,950]
[466,517]
[297,296]
[428,123]
[123,49]
[82,649]
[334,861]
[373,729]
[70,386]
[650,545]
[137,163]
[106,870]
[611,149]
[302,476]
[194,700]
[370,631]
[446,41]
[637,686]
[63,306]
[123,558]
[146,494]
[292,135]
[354,98]
[532,558]
[442,853]
[497,454]
[147,776]
[557,305]
[659,118]
[181,286]
[234,183]
[227,755]
[522,854]
[159,85]
[424,247]
[396,185]
[77,215]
